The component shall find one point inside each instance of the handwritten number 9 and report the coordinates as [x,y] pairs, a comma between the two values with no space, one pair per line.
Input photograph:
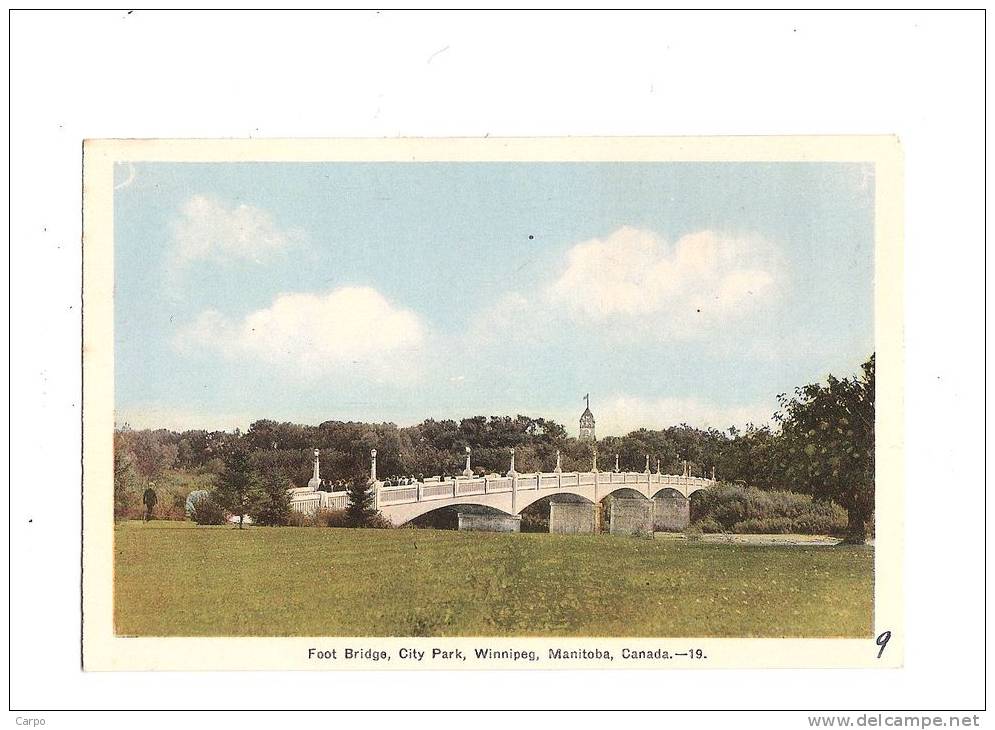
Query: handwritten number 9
[883,638]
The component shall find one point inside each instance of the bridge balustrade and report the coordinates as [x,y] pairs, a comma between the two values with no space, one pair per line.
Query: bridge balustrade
[502,484]
[528,481]
[466,487]
[394,495]
[434,488]
[437,489]
[306,504]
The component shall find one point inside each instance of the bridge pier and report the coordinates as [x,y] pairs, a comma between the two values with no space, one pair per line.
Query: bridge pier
[671,513]
[488,523]
[572,518]
[631,517]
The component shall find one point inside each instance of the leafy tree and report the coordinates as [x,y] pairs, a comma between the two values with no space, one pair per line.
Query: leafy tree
[237,489]
[185,456]
[153,452]
[827,443]
[272,505]
[125,480]
[207,511]
[360,508]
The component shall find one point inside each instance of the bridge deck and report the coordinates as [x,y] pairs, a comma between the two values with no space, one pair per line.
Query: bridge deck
[510,493]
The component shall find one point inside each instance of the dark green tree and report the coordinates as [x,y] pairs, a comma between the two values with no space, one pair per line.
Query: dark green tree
[207,511]
[237,489]
[827,444]
[360,508]
[272,503]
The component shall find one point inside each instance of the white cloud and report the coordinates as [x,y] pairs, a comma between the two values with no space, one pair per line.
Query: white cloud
[352,328]
[678,289]
[208,230]
[623,413]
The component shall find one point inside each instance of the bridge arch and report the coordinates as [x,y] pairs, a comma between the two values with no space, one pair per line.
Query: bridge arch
[526,498]
[622,491]
[697,505]
[535,515]
[696,488]
[668,492]
[445,517]
[405,512]
[618,491]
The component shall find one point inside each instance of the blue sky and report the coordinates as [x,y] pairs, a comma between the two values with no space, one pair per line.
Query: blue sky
[399,291]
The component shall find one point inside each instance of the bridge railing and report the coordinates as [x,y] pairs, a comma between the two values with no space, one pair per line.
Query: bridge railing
[306,503]
[437,489]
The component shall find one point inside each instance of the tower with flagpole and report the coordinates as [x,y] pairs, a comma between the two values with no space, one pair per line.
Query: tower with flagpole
[587,421]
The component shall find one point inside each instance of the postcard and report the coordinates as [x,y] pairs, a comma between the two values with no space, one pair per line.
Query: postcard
[563,403]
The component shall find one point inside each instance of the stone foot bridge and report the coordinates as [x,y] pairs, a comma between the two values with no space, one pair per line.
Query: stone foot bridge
[509,494]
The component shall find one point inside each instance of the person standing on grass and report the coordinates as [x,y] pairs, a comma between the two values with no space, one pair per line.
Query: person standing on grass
[149,499]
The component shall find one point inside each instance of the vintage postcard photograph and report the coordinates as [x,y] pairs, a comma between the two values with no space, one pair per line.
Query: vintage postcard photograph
[492,404]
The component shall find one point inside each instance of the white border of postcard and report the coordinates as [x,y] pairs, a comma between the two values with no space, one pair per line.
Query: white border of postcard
[102,650]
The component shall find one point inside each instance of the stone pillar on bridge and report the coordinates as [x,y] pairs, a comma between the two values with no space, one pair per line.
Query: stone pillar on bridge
[616,463]
[558,469]
[514,484]
[658,466]
[647,469]
[315,482]
[468,472]
[373,479]
[594,460]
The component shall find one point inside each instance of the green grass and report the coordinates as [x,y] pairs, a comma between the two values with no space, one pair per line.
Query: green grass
[175,579]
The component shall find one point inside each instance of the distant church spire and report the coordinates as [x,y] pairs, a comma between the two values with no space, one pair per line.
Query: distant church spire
[587,421]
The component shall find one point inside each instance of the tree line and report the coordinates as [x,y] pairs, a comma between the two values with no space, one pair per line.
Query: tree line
[821,443]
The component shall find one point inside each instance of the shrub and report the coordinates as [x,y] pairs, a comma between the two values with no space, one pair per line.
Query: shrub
[301,519]
[377,521]
[533,522]
[172,506]
[128,506]
[740,509]
[206,511]
[708,525]
[192,499]
[332,518]
[342,518]
[765,526]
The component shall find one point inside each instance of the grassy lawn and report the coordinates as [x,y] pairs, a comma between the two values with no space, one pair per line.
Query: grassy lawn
[175,579]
